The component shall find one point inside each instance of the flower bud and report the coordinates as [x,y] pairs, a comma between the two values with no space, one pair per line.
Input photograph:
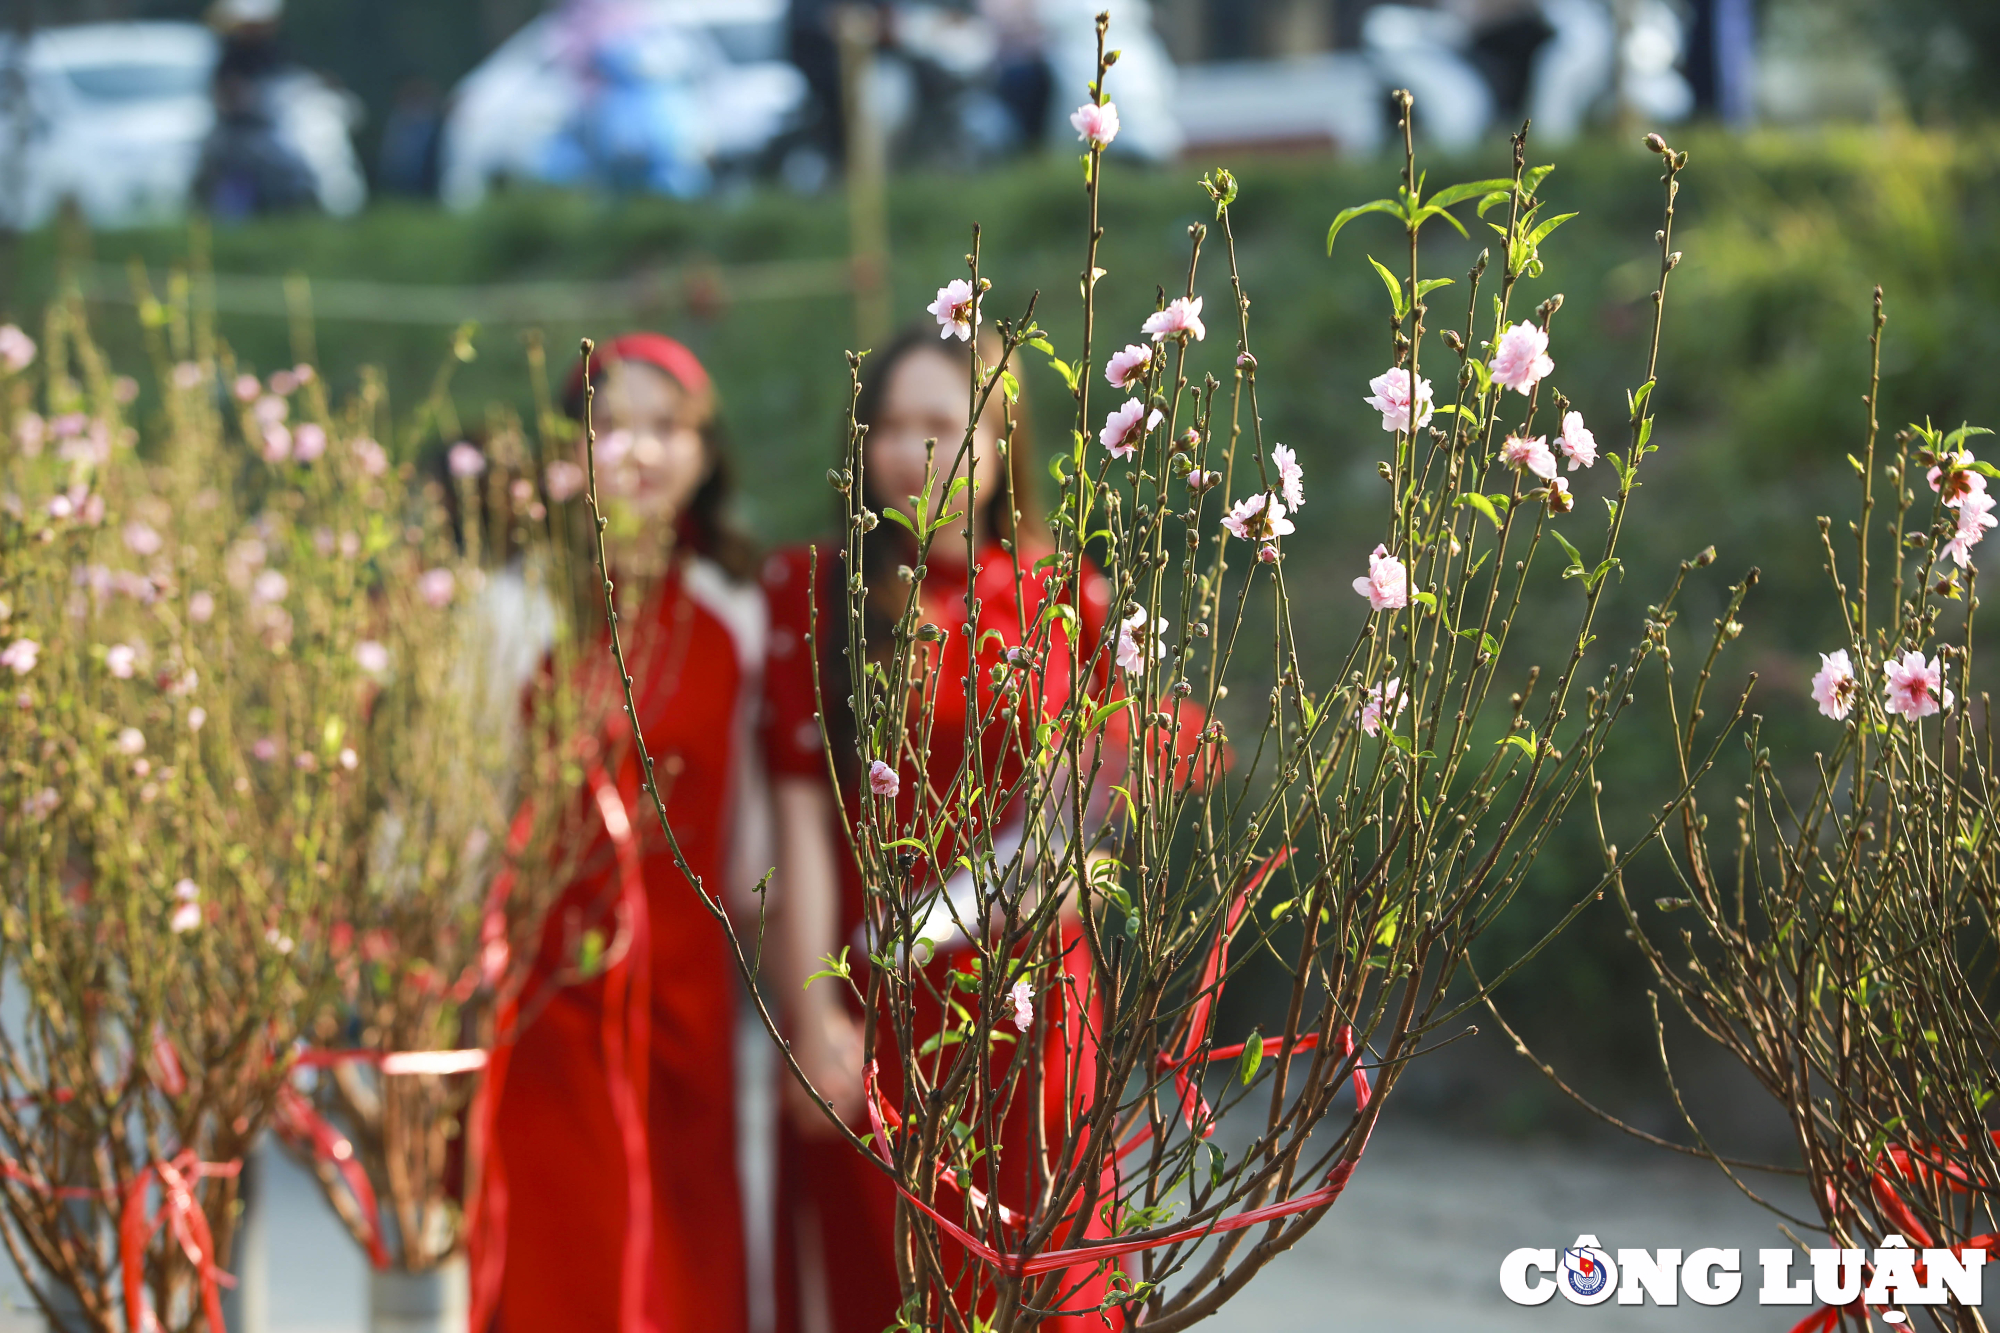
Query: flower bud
[1655,143]
[1454,342]
[1267,554]
[1189,440]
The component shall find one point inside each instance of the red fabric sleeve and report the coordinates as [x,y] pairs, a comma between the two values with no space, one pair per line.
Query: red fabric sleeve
[789,724]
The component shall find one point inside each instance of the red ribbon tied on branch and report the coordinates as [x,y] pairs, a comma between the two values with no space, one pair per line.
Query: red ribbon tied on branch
[1048,1261]
[181,1212]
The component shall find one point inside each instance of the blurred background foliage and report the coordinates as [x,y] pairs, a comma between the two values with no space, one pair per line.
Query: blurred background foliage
[1763,366]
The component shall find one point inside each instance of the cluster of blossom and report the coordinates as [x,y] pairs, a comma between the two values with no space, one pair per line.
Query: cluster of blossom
[270,411]
[1912,687]
[1964,490]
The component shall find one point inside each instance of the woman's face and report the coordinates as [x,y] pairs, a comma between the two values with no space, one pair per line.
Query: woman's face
[925,398]
[650,455]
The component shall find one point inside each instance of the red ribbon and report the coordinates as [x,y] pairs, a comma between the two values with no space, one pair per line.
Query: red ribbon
[1900,1161]
[1048,1261]
[627,1037]
[298,1120]
[181,1212]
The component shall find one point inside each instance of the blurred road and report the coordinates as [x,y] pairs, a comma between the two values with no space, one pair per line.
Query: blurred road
[1414,1246]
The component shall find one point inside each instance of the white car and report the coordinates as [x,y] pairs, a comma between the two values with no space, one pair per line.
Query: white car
[116,114]
[735,93]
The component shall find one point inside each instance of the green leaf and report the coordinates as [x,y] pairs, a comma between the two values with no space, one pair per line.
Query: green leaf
[1011,385]
[1526,744]
[1958,437]
[1983,469]
[1429,285]
[1100,716]
[1253,1056]
[1487,643]
[1458,194]
[1575,569]
[1347,215]
[1494,200]
[1480,503]
[1645,434]
[836,966]
[1386,936]
[1635,401]
[888,512]
[1539,234]
[1532,178]
[1395,287]
[1433,211]
[1596,576]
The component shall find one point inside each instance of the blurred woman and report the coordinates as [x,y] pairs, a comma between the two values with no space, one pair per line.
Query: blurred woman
[835,1222]
[615,1130]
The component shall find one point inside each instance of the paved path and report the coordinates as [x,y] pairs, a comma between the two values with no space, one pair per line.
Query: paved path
[1414,1246]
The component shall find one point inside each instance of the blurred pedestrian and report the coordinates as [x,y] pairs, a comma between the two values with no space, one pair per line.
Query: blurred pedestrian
[837,1268]
[247,166]
[619,1208]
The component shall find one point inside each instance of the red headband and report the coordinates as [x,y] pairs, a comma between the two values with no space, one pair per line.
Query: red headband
[654,349]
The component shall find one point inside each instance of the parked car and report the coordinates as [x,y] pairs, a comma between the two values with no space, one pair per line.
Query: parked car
[114,115]
[648,95]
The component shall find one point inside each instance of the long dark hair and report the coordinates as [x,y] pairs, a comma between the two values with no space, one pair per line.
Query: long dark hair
[889,545]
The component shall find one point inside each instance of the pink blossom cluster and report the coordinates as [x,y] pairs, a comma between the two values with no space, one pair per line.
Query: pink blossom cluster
[1385,702]
[955,310]
[1095,125]
[1181,318]
[1529,456]
[1387,583]
[1131,654]
[1913,687]
[1127,369]
[1258,518]
[1521,358]
[1126,426]
[1391,397]
[1291,477]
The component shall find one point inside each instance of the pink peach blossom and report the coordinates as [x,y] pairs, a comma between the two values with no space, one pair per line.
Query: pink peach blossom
[1834,686]
[201,607]
[20,656]
[954,310]
[277,444]
[1023,999]
[372,457]
[1182,316]
[882,779]
[436,586]
[465,461]
[1578,445]
[1131,654]
[1095,125]
[1387,584]
[1963,480]
[141,539]
[308,442]
[1522,358]
[1126,426]
[1291,477]
[1915,688]
[131,741]
[1257,518]
[1975,515]
[1127,369]
[121,659]
[371,657]
[17,349]
[564,480]
[1386,700]
[1392,399]
[1529,455]
[246,388]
